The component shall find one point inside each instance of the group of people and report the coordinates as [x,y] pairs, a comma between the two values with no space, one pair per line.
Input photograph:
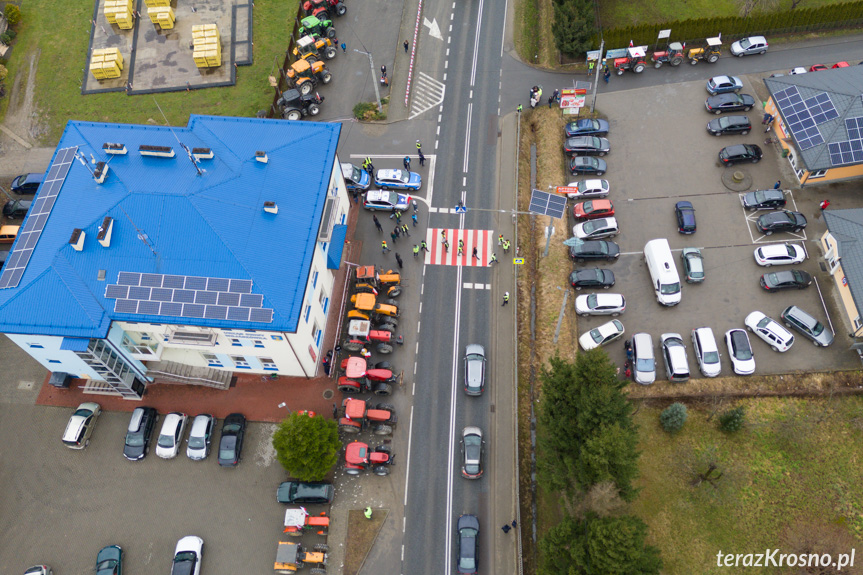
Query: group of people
[535,96]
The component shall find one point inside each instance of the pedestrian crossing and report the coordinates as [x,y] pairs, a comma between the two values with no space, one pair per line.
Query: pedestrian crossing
[479,239]
[427,94]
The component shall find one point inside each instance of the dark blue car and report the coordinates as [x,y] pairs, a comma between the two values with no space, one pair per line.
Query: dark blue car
[685,217]
[586,127]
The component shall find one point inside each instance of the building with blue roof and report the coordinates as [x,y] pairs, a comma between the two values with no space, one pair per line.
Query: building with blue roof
[181,253]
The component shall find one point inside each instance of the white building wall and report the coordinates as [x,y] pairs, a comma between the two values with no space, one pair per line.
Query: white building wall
[46,350]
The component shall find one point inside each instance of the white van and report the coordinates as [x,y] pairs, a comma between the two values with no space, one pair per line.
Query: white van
[660,264]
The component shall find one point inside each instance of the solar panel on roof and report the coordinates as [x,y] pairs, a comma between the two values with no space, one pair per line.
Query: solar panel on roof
[850,151]
[193,310]
[804,116]
[547,204]
[35,223]
[148,307]
[241,286]
[261,315]
[216,312]
[126,306]
[239,313]
[169,308]
[173,282]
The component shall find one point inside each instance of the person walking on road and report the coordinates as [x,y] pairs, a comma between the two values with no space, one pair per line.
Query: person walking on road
[777,184]
[406,230]
[398,216]
[368,512]
[407,163]
[377,224]
[505,528]
[424,246]
[505,298]
[493,259]
[519,109]
[500,239]
[422,158]
[399,260]
[607,75]
[414,218]
[475,254]
[344,48]
[397,231]
[460,247]
[419,147]
[394,236]
[407,46]
[416,251]
[505,246]
[383,71]
[416,206]
[384,247]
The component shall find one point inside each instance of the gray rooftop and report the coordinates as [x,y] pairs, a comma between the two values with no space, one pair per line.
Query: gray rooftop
[847,227]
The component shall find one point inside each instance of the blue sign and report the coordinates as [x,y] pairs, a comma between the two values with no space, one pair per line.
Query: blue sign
[460,209]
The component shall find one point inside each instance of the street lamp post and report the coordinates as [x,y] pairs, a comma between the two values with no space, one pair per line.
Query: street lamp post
[374,78]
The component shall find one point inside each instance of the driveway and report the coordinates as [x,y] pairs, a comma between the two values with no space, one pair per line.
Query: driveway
[661,153]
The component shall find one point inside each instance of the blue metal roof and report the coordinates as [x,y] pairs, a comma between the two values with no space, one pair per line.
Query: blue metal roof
[170,220]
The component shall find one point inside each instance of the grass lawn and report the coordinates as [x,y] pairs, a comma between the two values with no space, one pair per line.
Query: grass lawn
[794,471]
[61,33]
[618,13]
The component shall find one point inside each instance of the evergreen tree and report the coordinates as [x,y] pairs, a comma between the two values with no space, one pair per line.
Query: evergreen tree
[673,417]
[307,447]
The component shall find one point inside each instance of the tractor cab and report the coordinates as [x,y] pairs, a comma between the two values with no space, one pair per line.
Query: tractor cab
[310,48]
[298,521]
[709,51]
[360,334]
[365,302]
[673,54]
[316,27]
[293,105]
[633,59]
[290,556]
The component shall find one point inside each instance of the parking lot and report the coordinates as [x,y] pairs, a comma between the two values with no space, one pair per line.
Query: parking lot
[661,153]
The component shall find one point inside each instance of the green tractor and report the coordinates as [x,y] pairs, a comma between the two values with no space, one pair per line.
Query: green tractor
[318,28]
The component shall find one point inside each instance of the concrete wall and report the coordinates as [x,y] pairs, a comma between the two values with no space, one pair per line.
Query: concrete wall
[843,288]
[46,350]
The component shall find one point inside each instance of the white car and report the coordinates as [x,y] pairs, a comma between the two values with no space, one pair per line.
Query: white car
[200,436]
[612,304]
[606,333]
[751,45]
[740,351]
[770,330]
[596,229]
[674,356]
[706,352]
[643,360]
[798,70]
[171,435]
[779,255]
[187,556]
[588,189]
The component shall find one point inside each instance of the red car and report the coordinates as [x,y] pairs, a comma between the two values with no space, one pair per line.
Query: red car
[593,209]
[817,68]
[841,65]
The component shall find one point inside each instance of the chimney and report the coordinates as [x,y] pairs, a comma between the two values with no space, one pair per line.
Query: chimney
[101,172]
[105,230]
[271,208]
[77,239]
[261,157]
[114,149]
[202,153]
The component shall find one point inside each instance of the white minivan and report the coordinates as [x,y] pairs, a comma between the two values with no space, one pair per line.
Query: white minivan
[663,274]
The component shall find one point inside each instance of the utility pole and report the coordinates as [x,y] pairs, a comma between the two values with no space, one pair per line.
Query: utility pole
[596,75]
[374,78]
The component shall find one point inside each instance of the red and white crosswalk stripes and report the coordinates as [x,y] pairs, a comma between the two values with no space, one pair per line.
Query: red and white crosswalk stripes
[479,239]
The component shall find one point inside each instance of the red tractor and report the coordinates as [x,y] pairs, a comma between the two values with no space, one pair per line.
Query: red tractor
[298,521]
[315,7]
[359,457]
[356,417]
[634,59]
[673,55]
[359,378]
[361,334]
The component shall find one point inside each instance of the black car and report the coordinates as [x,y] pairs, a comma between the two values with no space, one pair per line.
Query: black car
[302,492]
[729,125]
[15,209]
[685,217]
[729,102]
[594,250]
[231,443]
[763,200]
[787,279]
[591,278]
[587,165]
[468,544]
[731,155]
[586,145]
[784,221]
[139,432]
[586,127]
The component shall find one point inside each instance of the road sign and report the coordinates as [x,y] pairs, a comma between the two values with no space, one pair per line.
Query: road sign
[566,190]
[461,209]
[518,261]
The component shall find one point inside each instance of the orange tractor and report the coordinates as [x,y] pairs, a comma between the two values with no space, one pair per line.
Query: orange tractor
[367,307]
[357,416]
[291,557]
[360,457]
[370,280]
[298,521]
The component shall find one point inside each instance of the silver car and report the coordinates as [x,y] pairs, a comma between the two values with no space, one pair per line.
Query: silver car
[674,356]
[644,361]
[471,446]
[198,447]
[612,304]
[474,369]
[799,320]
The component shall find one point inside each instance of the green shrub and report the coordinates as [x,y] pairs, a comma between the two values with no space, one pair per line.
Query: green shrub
[368,111]
[732,420]
[3,72]
[6,38]
[13,14]
[673,417]
[12,33]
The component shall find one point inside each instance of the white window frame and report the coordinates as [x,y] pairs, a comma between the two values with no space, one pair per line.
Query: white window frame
[240,362]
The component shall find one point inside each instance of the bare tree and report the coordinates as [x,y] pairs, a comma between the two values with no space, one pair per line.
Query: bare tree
[749,6]
[603,499]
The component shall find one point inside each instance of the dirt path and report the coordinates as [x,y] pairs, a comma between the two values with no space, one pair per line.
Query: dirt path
[22,117]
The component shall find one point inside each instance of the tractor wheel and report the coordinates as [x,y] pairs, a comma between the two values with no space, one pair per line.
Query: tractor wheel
[331,32]
[330,53]
[395,291]
[293,114]
[639,68]
[386,407]
[676,61]
[326,77]
[384,449]
[352,471]
[391,302]
[384,365]
[381,470]
[349,389]
[314,109]
[384,348]
[312,58]
[321,548]
[383,389]
[658,65]
[694,61]
[383,430]
[386,327]
[349,428]
[389,320]
[341,9]
[619,71]
[712,58]
[352,345]
[306,88]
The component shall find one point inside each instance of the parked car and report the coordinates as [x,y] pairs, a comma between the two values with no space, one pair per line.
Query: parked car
[740,351]
[787,279]
[355,178]
[784,221]
[386,201]
[16,209]
[139,432]
[738,153]
[471,450]
[27,184]
[706,352]
[171,435]
[398,180]
[303,492]
[187,556]
[612,304]
[748,46]
[643,359]
[587,165]
[674,357]
[602,335]
[797,319]
[588,189]
[200,436]
[768,329]
[594,250]
[474,369]
[39,570]
[468,545]
[817,67]
[841,65]
[596,229]
[591,278]
[586,146]
[586,127]
[592,209]
[797,70]
[763,200]
[80,426]
[729,102]
[693,265]
[723,84]
[685,214]
[729,125]
[109,560]
[231,442]
[779,254]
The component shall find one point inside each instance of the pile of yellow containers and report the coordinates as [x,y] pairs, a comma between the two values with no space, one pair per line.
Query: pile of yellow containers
[161,13]
[106,63]
[119,12]
[207,46]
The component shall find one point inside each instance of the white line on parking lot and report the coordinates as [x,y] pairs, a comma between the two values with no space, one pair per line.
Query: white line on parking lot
[824,305]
